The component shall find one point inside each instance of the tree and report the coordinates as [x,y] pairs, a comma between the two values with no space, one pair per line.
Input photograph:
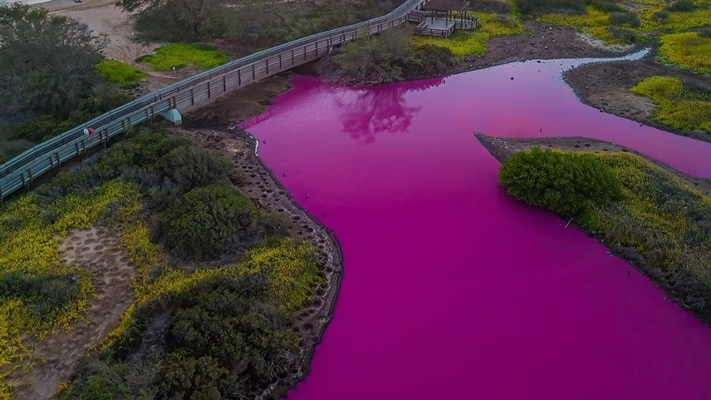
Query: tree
[46,62]
[178,19]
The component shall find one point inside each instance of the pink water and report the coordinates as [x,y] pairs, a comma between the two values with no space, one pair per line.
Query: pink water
[452,290]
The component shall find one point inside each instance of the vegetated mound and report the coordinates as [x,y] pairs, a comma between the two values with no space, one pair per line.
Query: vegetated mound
[389,57]
[566,183]
[218,285]
[677,105]
[629,203]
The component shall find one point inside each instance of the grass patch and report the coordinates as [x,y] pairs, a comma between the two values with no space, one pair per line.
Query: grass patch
[124,75]
[463,43]
[179,55]
[678,106]
[663,218]
[690,50]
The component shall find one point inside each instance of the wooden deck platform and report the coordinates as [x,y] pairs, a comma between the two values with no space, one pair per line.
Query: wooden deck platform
[441,26]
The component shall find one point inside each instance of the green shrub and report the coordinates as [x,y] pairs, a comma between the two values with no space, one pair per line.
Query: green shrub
[661,16]
[551,6]
[46,126]
[209,219]
[179,55]
[190,167]
[622,35]
[492,6]
[625,18]
[605,5]
[566,183]
[123,74]
[682,6]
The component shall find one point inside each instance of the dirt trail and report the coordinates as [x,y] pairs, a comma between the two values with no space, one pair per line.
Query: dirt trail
[57,356]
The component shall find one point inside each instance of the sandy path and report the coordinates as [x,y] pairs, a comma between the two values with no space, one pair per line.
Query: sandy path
[57,356]
[103,17]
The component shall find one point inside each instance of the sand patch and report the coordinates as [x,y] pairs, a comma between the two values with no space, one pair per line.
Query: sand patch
[56,357]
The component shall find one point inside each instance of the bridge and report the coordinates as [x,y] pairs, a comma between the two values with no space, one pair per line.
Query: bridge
[172,101]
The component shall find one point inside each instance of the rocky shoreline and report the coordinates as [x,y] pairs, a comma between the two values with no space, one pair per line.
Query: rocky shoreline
[268,195]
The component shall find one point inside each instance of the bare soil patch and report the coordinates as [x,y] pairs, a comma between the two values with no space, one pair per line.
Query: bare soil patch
[103,17]
[268,195]
[57,356]
[607,86]
[541,42]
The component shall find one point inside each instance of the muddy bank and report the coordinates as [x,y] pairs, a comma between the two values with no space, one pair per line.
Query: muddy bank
[239,105]
[607,86]
[540,42]
[682,287]
[268,195]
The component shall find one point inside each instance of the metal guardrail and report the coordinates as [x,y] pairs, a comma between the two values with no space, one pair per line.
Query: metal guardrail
[189,93]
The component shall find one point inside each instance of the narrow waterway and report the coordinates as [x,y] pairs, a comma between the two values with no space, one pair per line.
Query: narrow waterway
[452,290]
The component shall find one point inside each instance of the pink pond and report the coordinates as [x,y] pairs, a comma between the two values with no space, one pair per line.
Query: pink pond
[451,289]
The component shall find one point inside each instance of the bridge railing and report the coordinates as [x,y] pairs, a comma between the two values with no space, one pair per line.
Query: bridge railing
[192,92]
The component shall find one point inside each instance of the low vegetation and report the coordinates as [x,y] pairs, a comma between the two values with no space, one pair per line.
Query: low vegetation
[39,293]
[616,22]
[221,327]
[690,50]
[626,200]
[677,106]
[124,75]
[463,43]
[391,56]
[180,55]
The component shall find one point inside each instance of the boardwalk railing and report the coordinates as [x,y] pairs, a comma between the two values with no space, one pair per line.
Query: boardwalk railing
[187,94]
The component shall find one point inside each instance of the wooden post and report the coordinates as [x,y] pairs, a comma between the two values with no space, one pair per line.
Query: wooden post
[209,94]
[192,97]
[304,52]
[267,60]
[280,66]
[293,58]
[224,84]
[239,77]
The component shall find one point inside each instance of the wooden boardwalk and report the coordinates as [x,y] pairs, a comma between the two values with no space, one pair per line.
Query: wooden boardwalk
[186,95]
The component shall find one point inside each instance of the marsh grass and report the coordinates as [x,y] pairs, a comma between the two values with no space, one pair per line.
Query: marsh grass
[180,55]
[677,106]
[638,20]
[663,218]
[124,75]
[463,43]
[690,50]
